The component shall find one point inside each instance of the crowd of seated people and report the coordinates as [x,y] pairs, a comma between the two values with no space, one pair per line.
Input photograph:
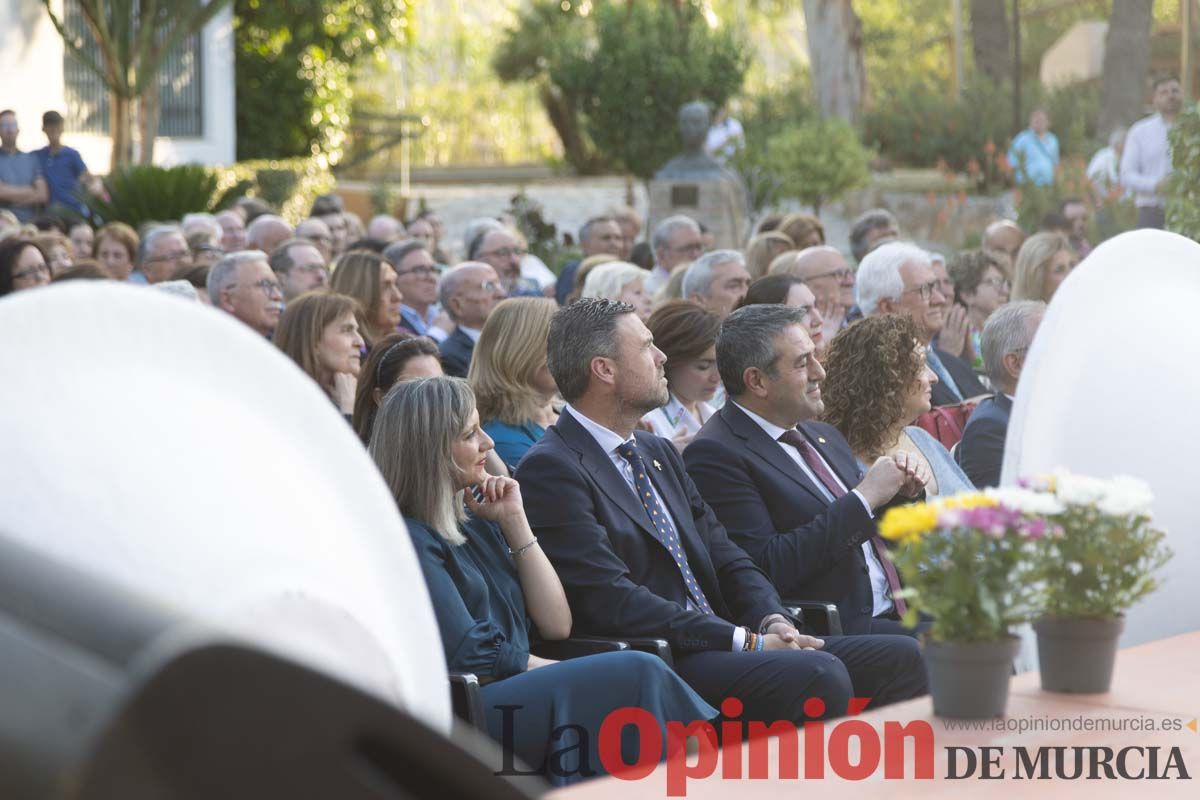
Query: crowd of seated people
[673,441]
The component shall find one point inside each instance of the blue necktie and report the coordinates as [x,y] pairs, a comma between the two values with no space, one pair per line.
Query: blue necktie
[662,523]
[935,364]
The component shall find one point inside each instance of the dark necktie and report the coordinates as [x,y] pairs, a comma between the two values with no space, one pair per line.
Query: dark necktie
[814,461]
[662,523]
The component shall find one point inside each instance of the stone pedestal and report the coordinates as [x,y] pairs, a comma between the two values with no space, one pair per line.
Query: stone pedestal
[719,203]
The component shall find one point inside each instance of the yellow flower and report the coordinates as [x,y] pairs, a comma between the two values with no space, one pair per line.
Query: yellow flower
[906,524]
[968,500]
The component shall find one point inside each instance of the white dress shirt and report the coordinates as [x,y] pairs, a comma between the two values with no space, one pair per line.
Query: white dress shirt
[472,333]
[609,441]
[1146,159]
[668,421]
[881,601]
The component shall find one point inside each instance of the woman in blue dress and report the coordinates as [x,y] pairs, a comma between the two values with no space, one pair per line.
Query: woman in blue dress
[510,379]
[491,585]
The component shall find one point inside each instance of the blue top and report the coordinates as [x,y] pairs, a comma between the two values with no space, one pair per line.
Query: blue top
[62,171]
[19,169]
[513,441]
[949,476]
[1034,158]
[476,597]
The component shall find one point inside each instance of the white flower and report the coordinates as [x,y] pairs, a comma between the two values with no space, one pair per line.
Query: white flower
[1075,567]
[1126,496]
[1078,490]
[1026,501]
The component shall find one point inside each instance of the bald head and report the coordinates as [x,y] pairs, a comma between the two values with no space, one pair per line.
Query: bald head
[385,228]
[825,271]
[1003,236]
[267,232]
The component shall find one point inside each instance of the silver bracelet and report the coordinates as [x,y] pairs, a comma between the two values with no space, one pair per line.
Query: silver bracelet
[520,551]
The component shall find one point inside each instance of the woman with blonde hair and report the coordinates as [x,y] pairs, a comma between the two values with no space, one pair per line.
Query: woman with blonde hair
[492,586]
[508,373]
[1043,262]
[370,280]
[319,331]
[764,249]
[585,267]
[623,282]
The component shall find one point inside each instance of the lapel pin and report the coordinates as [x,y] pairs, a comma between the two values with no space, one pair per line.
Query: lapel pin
[657,465]
[821,439]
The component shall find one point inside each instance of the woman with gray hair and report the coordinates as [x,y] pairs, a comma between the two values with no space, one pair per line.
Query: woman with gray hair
[490,581]
[621,281]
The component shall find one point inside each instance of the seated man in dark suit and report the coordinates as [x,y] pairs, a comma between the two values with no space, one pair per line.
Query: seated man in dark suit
[1006,338]
[640,554]
[467,293]
[789,490]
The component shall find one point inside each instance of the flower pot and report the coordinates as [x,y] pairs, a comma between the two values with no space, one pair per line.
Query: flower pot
[1076,654]
[969,680]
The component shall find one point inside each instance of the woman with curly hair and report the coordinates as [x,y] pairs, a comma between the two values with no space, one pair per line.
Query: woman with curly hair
[877,383]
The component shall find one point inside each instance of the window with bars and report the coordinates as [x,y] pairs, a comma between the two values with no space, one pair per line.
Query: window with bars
[181,100]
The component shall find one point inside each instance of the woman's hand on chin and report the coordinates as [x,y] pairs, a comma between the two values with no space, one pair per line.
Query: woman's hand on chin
[499,499]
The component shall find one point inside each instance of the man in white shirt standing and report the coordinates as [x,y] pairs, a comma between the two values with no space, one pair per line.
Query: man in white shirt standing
[1146,161]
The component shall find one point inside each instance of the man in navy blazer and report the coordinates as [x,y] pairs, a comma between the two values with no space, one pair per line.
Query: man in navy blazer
[640,553]
[1006,338]
[789,490]
[467,292]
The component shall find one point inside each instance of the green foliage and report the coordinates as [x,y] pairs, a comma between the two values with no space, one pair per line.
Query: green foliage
[1183,189]
[1109,214]
[975,582]
[540,235]
[816,162]
[293,63]
[139,194]
[289,185]
[644,61]
[1107,555]
[767,115]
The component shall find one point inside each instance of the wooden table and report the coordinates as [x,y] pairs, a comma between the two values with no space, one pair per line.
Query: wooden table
[1159,681]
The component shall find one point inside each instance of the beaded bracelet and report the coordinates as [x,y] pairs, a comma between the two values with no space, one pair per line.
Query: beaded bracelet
[520,551]
[759,643]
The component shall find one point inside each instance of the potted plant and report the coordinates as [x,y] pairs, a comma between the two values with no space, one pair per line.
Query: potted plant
[1103,562]
[966,562]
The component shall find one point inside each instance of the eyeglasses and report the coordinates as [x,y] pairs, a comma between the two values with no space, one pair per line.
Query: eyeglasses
[268,287]
[30,272]
[1003,284]
[926,289]
[311,268]
[174,256]
[840,274]
[208,248]
[421,270]
[506,252]
[490,286]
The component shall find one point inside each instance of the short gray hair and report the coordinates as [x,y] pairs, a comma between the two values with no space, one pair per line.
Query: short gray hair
[425,416]
[585,231]
[878,277]
[747,339]
[1009,329]
[383,225]
[225,271]
[661,237]
[609,280]
[699,277]
[201,220]
[584,330]
[261,223]
[150,237]
[860,229]
[475,231]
